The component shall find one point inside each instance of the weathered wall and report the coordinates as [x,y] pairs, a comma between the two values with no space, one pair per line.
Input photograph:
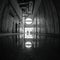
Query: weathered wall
[2,5]
[7,21]
[8,25]
[48,17]
[49,23]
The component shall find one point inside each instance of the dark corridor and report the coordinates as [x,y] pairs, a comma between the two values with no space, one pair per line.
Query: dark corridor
[29,29]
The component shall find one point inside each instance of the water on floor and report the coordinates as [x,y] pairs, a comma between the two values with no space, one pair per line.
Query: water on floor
[48,50]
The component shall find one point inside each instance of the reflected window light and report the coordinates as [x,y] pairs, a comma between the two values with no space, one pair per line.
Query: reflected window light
[28,21]
[28,44]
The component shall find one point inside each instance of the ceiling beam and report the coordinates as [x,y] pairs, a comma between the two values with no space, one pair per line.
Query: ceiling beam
[17,8]
[36,6]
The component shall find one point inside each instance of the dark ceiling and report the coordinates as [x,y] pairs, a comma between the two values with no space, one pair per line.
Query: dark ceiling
[19,1]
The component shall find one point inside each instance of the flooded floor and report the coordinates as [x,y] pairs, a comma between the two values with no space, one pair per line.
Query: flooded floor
[49,50]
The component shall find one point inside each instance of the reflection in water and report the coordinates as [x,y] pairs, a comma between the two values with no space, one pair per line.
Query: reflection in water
[47,47]
[28,44]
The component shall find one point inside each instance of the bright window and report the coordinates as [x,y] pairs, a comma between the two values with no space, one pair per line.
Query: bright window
[28,32]
[28,21]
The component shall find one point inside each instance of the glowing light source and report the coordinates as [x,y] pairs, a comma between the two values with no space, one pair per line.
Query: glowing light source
[28,32]
[28,44]
[28,20]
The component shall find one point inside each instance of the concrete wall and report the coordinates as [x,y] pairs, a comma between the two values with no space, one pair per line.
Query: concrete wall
[48,17]
[49,23]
